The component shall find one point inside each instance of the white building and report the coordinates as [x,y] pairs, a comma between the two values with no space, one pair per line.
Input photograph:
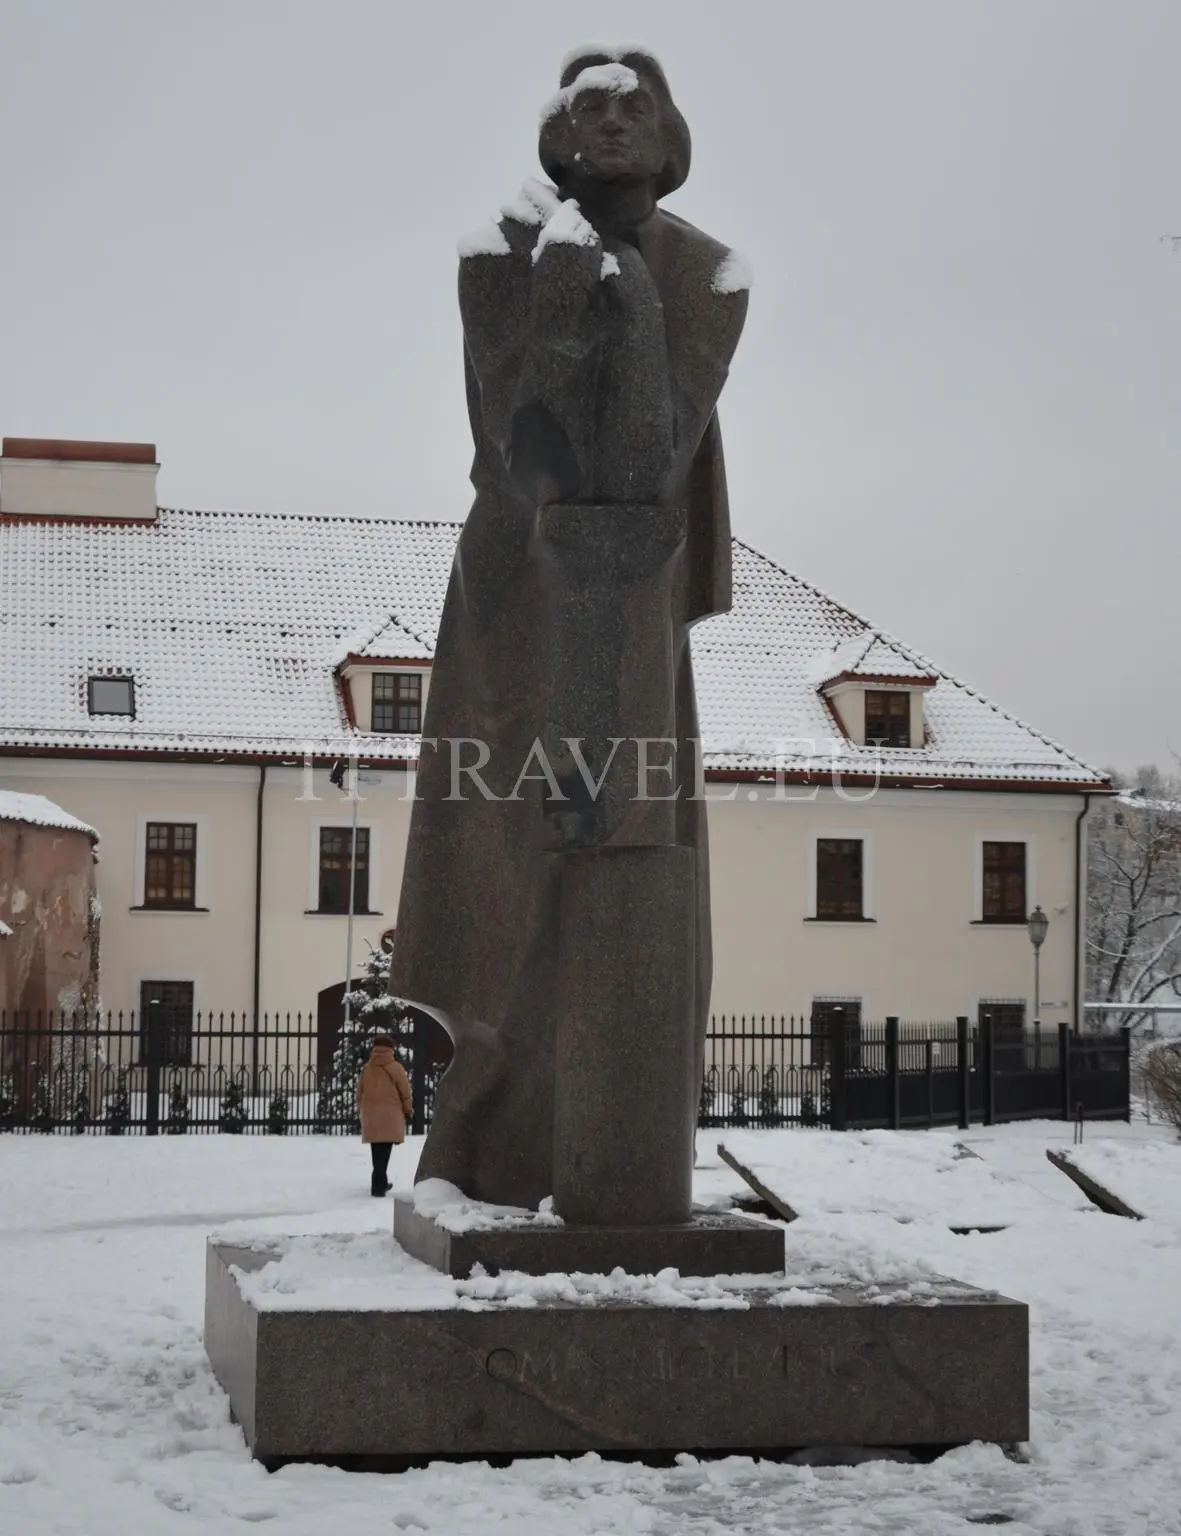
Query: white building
[169,676]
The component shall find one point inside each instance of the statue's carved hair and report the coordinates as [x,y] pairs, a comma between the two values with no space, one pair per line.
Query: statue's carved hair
[556,151]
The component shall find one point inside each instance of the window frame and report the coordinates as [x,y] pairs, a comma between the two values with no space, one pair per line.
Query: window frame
[411,701]
[901,696]
[115,714]
[172,1031]
[343,825]
[200,820]
[978,873]
[173,857]
[1008,1035]
[820,1053]
[812,912]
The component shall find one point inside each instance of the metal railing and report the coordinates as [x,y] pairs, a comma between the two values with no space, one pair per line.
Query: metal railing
[172,1074]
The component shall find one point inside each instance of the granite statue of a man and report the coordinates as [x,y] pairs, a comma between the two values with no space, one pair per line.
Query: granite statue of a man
[598,334]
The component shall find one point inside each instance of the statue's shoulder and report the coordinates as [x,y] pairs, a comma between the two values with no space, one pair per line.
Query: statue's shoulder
[712,262]
[515,232]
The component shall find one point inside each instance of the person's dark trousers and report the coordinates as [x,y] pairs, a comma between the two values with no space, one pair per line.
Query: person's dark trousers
[380,1152]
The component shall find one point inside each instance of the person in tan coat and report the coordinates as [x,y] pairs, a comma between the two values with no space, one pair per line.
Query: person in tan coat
[385,1105]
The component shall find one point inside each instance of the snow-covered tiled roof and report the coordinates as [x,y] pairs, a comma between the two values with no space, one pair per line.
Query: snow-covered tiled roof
[37,811]
[870,656]
[233,626]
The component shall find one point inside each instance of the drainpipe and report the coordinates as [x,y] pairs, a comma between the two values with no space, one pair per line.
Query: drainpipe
[1080,917]
[262,782]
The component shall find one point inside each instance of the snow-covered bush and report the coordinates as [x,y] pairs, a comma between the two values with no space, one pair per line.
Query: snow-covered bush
[7,1102]
[1160,1068]
[118,1116]
[278,1114]
[232,1119]
[178,1119]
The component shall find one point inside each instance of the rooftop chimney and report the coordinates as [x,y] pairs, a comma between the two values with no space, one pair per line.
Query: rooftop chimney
[51,477]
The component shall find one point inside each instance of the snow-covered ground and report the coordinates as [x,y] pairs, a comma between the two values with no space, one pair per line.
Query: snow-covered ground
[911,1177]
[111,1422]
[1146,1175]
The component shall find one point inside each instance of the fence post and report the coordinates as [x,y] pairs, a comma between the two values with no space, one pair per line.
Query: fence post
[152,1036]
[987,1040]
[1064,1066]
[930,1067]
[965,1070]
[1126,1070]
[839,1111]
[892,1089]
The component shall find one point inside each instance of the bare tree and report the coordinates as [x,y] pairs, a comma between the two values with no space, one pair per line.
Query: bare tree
[1160,1072]
[1134,893]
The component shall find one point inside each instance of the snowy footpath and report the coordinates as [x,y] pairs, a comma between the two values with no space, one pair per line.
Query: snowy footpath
[111,1423]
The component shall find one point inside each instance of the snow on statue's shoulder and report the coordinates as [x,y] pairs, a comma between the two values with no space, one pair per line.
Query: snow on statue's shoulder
[615,79]
[565,227]
[734,274]
[610,266]
[488,240]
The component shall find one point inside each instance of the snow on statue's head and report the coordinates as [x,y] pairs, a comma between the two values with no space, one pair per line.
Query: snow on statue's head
[614,119]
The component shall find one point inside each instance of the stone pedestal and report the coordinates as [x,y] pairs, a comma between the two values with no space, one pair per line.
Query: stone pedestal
[707,1245]
[625,1092]
[381,1388]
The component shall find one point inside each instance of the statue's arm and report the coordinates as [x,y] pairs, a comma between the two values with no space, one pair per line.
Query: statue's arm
[708,340]
[531,332]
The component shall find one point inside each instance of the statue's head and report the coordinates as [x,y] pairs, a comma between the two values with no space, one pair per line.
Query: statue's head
[614,120]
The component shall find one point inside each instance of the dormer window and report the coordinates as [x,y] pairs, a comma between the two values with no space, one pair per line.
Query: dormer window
[887,717]
[111,696]
[397,702]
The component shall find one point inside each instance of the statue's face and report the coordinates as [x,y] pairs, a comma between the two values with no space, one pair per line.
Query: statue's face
[617,137]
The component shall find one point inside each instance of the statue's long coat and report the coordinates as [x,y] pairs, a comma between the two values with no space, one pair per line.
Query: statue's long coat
[477,938]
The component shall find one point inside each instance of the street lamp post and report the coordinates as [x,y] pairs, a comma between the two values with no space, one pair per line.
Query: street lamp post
[1038,925]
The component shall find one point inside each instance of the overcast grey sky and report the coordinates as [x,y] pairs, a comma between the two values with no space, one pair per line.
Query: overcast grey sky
[229,227]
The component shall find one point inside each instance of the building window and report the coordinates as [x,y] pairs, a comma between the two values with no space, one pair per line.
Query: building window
[1008,1028]
[830,1014]
[397,701]
[170,864]
[840,865]
[1003,896]
[111,696]
[887,718]
[166,1023]
[334,870]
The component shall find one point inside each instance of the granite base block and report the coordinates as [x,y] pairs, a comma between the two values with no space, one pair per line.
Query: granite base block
[708,1245]
[380,1387]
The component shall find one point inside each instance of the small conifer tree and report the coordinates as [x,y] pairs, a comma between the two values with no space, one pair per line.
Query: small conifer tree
[278,1114]
[178,1109]
[372,1011]
[119,1106]
[232,1120]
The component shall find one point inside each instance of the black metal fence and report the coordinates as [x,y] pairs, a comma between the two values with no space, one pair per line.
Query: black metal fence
[115,1074]
[159,1074]
[898,1075]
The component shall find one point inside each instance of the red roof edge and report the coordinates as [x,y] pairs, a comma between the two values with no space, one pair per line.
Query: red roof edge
[354,660]
[712,775]
[914,679]
[75,450]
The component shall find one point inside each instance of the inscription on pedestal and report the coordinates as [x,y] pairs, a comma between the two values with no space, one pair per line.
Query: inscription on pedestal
[676,1363]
